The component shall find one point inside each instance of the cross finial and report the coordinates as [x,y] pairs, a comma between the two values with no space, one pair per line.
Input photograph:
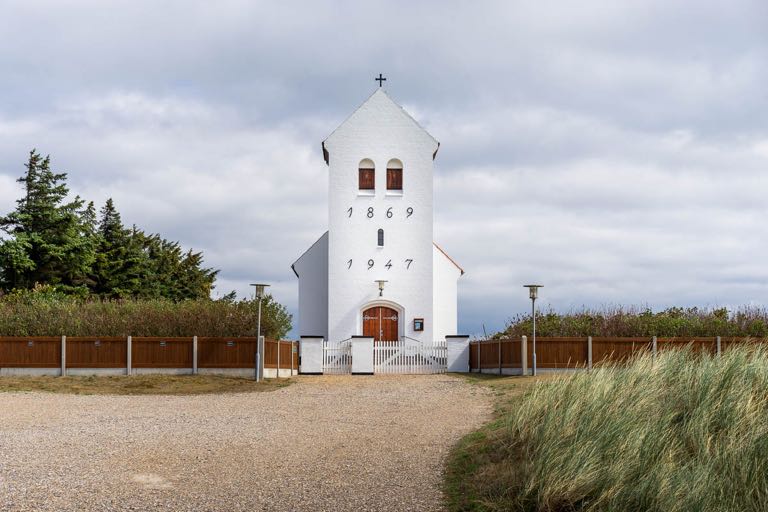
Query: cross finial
[380,79]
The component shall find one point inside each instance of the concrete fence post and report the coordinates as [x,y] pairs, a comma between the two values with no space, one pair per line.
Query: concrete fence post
[457,349]
[524,354]
[129,355]
[499,342]
[362,355]
[479,351]
[655,348]
[589,352]
[194,355]
[63,356]
[311,354]
[719,347]
[260,359]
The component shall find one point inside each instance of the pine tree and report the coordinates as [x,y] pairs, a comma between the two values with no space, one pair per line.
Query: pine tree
[120,269]
[62,244]
[47,243]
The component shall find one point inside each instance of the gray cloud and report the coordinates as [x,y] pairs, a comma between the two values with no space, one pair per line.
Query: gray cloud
[614,151]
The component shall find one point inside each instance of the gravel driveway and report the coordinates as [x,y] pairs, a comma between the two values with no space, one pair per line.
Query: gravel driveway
[324,443]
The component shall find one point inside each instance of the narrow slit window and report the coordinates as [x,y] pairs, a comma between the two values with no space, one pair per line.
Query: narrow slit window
[395,175]
[366,175]
[381,238]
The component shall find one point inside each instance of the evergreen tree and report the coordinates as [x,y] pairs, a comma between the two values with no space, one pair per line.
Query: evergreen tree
[48,242]
[62,244]
[175,274]
[120,268]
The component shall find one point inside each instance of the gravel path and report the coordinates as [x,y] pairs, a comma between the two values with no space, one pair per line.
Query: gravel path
[324,443]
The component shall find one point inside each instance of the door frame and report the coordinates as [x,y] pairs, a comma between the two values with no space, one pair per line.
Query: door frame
[387,304]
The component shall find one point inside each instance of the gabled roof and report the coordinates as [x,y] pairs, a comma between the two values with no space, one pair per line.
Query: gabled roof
[293,265]
[449,258]
[380,95]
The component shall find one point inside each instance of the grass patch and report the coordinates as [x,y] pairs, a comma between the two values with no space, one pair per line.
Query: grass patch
[140,384]
[684,432]
[476,456]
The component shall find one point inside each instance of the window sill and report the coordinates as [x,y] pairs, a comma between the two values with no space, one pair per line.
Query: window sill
[394,193]
[366,193]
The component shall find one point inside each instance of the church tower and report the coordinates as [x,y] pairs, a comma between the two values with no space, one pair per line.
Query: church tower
[377,272]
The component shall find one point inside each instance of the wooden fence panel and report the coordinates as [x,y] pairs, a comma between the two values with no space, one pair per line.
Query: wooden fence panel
[218,352]
[473,348]
[97,352]
[270,354]
[558,352]
[285,355]
[697,343]
[158,352]
[30,352]
[510,353]
[489,354]
[729,341]
[618,350]
[486,352]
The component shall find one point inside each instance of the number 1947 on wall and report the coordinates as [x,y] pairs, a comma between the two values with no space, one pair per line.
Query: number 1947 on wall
[371,264]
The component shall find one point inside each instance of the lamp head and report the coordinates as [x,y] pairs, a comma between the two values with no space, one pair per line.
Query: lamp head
[260,287]
[533,290]
[381,286]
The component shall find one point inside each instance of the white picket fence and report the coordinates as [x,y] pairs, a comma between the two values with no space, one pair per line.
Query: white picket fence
[337,357]
[409,356]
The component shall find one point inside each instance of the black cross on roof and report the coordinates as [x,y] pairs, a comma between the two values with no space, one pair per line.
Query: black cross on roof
[380,79]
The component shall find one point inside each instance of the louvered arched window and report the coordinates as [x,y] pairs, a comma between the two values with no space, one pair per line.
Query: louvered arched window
[366,175]
[395,175]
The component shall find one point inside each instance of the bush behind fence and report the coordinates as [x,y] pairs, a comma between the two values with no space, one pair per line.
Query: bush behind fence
[574,351]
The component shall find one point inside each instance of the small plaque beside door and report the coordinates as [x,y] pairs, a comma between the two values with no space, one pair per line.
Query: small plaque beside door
[418,324]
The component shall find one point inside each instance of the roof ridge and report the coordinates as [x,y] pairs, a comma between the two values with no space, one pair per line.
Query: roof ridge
[449,258]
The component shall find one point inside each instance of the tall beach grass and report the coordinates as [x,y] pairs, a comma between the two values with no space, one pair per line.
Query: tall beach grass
[683,432]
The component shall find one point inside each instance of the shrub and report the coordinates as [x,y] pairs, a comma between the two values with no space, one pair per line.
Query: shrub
[634,321]
[45,312]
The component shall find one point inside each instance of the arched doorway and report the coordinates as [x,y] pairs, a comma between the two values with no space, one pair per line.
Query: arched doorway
[381,323]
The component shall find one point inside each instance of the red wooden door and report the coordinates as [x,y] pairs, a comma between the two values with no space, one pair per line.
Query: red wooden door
[381,323]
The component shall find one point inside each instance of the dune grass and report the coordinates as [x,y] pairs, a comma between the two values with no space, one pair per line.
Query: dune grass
[685,432]
[140,384]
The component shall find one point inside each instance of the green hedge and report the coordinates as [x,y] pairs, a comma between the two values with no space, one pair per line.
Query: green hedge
[744,321]
[50,314]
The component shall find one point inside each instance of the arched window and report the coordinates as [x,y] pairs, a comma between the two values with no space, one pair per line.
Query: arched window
[381,238]
[395,175]
[366,175]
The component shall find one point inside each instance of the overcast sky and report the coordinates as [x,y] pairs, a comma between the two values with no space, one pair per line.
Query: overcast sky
[614,151]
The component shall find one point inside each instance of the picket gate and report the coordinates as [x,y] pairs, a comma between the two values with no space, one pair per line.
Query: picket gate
[410,356]
[337,357]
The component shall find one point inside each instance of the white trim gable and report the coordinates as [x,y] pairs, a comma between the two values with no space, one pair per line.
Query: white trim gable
[370,112]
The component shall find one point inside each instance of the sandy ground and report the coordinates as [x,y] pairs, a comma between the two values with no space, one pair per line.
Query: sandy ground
[324,443]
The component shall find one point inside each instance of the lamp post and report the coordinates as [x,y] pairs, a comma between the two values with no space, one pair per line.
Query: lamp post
[381,286]
[533,291]
[260,287]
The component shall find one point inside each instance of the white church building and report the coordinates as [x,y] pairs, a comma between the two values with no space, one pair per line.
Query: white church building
[377,271]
